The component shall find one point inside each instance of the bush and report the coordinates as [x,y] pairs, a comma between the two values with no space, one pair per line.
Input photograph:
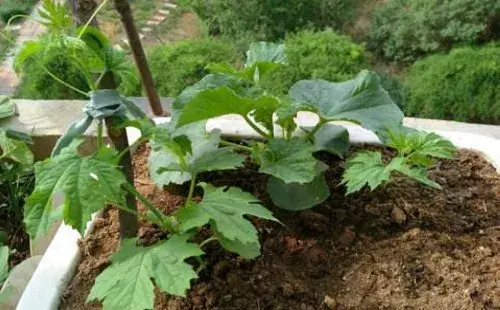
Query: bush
[317,55]
[462,86]
[268,20]
[38,84]
[405,30]
[9,8]
[174,67]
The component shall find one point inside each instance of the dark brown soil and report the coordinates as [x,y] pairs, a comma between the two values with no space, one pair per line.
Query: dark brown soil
[404,246]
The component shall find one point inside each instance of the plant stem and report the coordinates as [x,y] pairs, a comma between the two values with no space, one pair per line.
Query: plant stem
[61,81]
[206,241]
[130,147]
[318,126]
[82,31]
[131,189]
[256,128]
[99,135]
[125,209]
[192,185]
[237,146]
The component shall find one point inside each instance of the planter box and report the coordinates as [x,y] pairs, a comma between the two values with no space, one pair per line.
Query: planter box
[58,264]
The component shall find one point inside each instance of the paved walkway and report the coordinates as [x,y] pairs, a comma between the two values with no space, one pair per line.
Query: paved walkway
[28,30]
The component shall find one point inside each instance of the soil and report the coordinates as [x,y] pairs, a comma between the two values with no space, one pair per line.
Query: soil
[403,246]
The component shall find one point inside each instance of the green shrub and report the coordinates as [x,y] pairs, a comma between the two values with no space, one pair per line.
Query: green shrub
[174,67]
[405,30]
[268,20]
[462,86]
[38,84]
[317,55]
[9,8]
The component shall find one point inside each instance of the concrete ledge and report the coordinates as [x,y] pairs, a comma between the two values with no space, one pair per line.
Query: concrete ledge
[61,258]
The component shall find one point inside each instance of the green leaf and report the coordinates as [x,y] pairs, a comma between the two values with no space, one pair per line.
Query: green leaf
[55,16]
[88,185]
[245,250]
[296,196]
[127,283]
[15,150]
[224,211]
[332,139]
[7,107]
[6,293]
[361,100]
[367,168]
[421,144]
[167,167]
[419,174]
[265,52]
[210,81]
[28,50]
[289,160]
[221,101]
[4,263]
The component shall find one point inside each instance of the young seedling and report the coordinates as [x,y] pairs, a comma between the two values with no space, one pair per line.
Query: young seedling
[415,153]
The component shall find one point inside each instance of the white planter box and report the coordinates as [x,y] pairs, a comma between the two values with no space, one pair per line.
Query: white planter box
[61,258]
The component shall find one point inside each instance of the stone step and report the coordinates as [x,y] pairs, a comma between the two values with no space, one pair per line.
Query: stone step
[146,29]
[159,18]
[164,12]
[170,5]
[152,22]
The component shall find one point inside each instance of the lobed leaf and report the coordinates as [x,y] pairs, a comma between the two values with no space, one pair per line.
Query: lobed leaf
[361,100]
[127,283]
[14,149]
[86,183]
[223,210]
[292,160]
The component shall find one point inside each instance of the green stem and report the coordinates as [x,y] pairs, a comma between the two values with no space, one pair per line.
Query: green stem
[257,129]
[192,185]
[99,135]
[130,147]
[206,241]
[146,203]
[20,16]
[62,82]
[237,146]
[318,126]
[125,209]
[91,18]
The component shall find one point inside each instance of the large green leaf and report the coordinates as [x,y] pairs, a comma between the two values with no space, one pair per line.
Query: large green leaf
[7,107]
[265,52]
[361,100]
[420,143]
[210,81]
[220,101]
[224,211]
[289,160]
[332,139]
[245,250]
[88,185]
[4,263]
[296,196]
[127,283]
[15,150]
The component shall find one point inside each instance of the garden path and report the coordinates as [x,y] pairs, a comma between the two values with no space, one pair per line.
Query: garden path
[29,29]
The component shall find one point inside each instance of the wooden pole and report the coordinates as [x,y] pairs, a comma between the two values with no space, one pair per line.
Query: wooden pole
[123,8]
